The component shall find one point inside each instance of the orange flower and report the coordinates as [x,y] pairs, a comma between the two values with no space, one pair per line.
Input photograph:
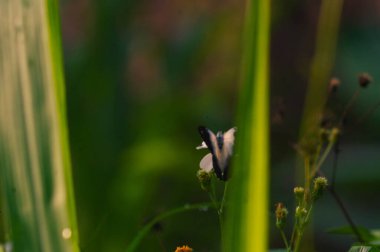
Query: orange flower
[184,248]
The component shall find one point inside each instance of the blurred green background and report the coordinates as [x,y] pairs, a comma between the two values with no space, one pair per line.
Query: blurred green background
[142,75]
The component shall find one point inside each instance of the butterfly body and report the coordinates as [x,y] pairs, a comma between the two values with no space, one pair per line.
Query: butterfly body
[221,147]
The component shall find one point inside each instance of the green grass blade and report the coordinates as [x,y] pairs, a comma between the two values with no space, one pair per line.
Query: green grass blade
[37,193]
[247,222]
[321,65]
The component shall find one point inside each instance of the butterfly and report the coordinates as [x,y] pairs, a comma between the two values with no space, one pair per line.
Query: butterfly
[221,148]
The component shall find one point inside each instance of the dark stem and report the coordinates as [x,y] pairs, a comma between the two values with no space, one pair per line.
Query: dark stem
[348,106]
[336,196]
[346,214]
[335,163]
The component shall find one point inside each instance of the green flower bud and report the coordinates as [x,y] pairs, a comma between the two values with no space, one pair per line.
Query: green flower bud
[299,193]
[301,212]
[320,185]
[204,179]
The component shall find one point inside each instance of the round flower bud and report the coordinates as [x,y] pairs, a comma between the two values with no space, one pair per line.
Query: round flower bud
[320,185]
[364,80]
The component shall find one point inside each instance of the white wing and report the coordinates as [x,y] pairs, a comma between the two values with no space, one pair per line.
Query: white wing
[229,139]
[206,163]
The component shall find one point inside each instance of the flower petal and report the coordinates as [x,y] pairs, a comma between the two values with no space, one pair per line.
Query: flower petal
[206,163]
[202,146]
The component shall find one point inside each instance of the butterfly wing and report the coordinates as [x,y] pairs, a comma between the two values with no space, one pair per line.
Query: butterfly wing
[226,152]
[229,140]
[220,156]
[209,138]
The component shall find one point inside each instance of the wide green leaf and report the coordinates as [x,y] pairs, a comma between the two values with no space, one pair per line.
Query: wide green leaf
[36,183]
[247,223]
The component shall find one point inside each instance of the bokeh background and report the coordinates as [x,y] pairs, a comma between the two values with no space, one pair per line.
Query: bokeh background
[142,75]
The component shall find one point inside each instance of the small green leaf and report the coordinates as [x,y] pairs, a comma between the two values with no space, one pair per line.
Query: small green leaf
[376,234]
[365,233]
[277,250]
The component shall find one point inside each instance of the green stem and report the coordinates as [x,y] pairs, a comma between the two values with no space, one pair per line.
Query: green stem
[307,178]
[220,214]
[322,159]
[213,200]
[223,198]
[285,240]
[301,229]
[298,241]
[145,230]
[293,234]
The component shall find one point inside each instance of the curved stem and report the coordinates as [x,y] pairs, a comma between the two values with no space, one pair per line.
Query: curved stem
[140,235]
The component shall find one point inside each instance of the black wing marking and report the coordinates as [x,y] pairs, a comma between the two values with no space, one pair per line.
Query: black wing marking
[208,137]
[212,144]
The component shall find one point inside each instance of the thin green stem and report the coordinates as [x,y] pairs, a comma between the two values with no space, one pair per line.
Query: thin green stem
[220,214]
[298,241]
[223,198]
[221,224]
[293,234]
[308,215]
[322,159]
[213,200]
[301,228]
[283,236]
[307,178]
[145,230]
[317,154]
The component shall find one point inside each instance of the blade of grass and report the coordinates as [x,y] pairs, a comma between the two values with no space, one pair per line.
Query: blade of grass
[320,71]
[36,186]
[321,65]
[247,222]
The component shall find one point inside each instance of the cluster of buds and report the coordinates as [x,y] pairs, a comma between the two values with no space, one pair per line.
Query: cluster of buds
[204,179]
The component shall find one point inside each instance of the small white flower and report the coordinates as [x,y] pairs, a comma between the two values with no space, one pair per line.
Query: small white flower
[202,146]
[206,163]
